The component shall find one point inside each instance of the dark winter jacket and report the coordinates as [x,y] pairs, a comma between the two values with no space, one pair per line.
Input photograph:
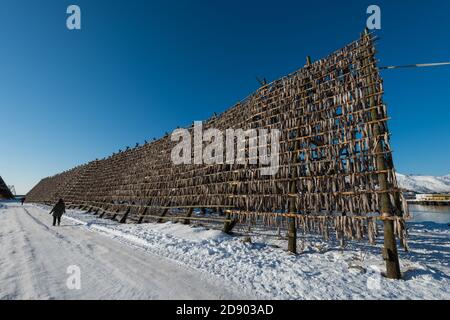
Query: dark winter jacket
[58,209]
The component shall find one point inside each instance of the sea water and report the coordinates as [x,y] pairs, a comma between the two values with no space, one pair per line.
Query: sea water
[437,214]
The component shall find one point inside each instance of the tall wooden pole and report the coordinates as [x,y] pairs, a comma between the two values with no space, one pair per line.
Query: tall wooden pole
[390,253]
[292,228]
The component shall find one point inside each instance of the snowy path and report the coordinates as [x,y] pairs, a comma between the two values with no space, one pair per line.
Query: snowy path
[172,260]
[34,258]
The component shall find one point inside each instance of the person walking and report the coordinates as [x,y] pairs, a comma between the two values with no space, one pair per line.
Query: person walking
[58,210]
[22,200]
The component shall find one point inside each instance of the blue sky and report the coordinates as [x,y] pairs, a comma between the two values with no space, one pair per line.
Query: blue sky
[140,68]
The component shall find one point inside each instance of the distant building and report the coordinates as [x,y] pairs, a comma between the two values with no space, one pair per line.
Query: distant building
[433,197]
[410,195]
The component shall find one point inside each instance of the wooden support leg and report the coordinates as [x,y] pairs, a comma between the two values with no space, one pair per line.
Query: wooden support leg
[228,226]
[400,243]
[292,235]
[390,254]
[341,240]
[188,214]
[124,218]
[141,218]
[102,214]
[163,214]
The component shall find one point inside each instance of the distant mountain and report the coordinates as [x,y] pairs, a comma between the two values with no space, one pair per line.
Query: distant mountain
[424,184]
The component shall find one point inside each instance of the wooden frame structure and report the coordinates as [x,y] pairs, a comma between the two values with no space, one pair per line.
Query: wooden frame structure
[335,163]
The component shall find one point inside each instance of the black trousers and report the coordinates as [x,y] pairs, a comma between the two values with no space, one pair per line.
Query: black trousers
[58,218]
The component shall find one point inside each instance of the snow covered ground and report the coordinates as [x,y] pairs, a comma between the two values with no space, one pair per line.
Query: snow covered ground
[424,184]
[35,257]
[172,260]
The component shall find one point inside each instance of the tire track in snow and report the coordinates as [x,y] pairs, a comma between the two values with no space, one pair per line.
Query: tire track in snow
[15,248]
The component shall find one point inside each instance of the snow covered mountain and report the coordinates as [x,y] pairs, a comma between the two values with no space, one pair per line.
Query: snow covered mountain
[424,184]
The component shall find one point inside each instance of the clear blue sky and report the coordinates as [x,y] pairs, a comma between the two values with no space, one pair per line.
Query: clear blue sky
[140,68]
